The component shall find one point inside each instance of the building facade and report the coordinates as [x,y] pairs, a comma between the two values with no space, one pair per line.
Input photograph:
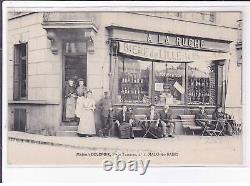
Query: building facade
[183,59]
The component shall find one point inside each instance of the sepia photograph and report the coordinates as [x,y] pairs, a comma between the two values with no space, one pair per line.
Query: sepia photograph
[145,88]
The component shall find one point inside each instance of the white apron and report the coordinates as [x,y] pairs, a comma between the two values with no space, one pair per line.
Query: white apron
[85,111]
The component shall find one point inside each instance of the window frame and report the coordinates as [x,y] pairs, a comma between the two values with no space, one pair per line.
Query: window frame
[17,64]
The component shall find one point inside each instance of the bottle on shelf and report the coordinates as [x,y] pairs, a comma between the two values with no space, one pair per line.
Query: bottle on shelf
[141,80]
[125,78]
[138,79]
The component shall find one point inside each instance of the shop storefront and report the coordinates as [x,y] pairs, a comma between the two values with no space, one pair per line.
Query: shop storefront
[138,63]
[181,71]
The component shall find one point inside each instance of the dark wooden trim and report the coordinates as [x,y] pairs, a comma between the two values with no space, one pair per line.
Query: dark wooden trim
[63,80]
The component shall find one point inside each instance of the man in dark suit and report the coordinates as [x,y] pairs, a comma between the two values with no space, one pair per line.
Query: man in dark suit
[201,119]
[222,118]
[165,122]
[124,118]
[106,108]
[153,115]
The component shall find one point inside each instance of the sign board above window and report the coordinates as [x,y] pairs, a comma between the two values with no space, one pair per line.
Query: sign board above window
[155,52]
[169,39]
[160,53]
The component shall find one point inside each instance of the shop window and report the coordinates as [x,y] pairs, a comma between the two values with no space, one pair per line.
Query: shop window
[201,83]
[145,82]
[169,83]
[20,71]
[134,80]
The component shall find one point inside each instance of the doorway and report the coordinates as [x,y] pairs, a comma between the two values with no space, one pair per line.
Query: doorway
[74,68]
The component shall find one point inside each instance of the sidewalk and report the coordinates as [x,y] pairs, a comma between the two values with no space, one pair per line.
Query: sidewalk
[112,143]
[190,150]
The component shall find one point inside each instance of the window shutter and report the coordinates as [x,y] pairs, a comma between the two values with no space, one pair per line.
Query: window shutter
[16,75]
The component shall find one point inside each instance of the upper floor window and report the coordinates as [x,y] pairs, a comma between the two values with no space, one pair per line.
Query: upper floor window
[20,71]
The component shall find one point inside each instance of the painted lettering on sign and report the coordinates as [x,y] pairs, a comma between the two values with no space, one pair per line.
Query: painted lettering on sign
[157,52]
[178,41]
[170,39]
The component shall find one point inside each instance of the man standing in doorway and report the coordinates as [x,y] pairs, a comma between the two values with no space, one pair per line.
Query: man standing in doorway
[106,107]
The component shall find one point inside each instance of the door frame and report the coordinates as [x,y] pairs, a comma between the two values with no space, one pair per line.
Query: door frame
[63,71]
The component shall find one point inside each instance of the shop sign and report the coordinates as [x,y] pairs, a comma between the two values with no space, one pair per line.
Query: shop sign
[157,52]
[170,39]
[178,41]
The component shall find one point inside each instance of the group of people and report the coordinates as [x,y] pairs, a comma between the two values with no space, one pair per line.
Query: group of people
[161,120]
[220,120]
[81,105]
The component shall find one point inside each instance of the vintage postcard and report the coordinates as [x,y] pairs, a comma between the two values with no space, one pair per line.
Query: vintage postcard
[146,88]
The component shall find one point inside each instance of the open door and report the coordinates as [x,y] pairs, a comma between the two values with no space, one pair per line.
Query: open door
[75,67]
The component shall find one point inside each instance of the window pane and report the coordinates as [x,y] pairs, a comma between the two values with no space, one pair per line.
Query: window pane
[75,67]
[169,83]
[134,82]
[23,61]
[201,83]
[20,71]
[75,47]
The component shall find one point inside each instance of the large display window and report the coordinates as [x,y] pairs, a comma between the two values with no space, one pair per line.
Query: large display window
[145,82]
[134,80]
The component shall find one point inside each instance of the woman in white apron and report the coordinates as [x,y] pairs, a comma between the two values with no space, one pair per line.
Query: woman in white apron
[85,107]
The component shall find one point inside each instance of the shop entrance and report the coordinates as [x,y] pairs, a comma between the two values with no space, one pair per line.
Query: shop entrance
[75,68]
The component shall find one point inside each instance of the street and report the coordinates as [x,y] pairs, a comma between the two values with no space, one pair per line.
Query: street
[181,150]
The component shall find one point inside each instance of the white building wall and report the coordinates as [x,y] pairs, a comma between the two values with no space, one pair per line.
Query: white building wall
[44,73]
[44,68]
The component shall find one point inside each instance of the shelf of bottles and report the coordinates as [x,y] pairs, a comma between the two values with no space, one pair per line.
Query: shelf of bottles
[199,90]
[212,89]
[133,88]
